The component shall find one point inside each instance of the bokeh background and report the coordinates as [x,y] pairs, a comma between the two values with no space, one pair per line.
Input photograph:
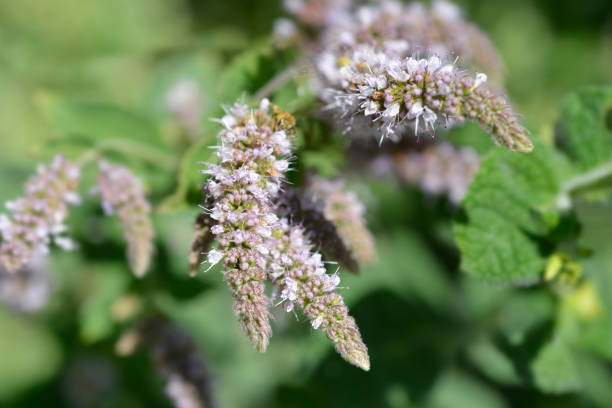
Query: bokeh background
[77,71]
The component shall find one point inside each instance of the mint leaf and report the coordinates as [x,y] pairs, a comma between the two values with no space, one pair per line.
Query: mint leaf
[506,209]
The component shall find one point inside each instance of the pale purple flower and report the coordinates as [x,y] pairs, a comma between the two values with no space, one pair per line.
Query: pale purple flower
[122,193]
[435,94]
[347,212]
[301,281]
[317,13]
[439,169]
[37,218]
[185,101]
[28,290]
[399,30]
[253,150]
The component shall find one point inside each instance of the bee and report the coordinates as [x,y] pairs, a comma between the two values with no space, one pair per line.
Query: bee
[283,120]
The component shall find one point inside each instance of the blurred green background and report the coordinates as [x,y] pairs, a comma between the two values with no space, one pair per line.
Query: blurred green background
[74,73]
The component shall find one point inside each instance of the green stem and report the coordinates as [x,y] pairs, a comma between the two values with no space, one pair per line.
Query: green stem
[584,182]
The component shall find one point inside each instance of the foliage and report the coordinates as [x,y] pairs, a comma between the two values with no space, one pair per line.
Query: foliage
[504,300]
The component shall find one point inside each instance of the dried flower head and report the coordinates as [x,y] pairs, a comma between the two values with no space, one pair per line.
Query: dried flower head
[308,211]
[346,211]
[440,168]
[301,280]
[122,193]
[202,237]
[253,149]
[178,361]
[398,96]
[37,218]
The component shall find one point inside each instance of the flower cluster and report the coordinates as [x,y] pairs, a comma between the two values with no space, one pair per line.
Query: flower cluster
[123,193]
[176,359]
[317,13]
[28,290]
[255,245]
[346,211]
[399,94]
[185,101]
[37,218]
[398,30]
[439,169]
[305,209]
[301,280]
[253,154]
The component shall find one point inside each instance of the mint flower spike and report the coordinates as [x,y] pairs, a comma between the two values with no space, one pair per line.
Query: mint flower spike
[301,280]
[122,193]
[37,218]
[253,153]
[440,168]
[397,29]
[344,209]
[420,94]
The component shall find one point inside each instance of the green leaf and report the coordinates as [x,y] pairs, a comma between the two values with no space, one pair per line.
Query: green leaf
[516,200]
[96,121]
[585,128]
[506,208]
[30,355]
[554,369]
[253,69]
[455,389]
[109,281]
[524,312]
[489,359]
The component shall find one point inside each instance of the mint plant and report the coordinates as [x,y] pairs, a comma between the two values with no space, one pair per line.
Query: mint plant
[248,207]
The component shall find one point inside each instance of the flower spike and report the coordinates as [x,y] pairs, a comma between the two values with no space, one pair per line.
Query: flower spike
[37,218]
[122,193]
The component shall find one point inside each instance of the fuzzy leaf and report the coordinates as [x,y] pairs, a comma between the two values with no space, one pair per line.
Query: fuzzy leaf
[584,130]
[505,209]
[95,122]
[514,199]
[554,369]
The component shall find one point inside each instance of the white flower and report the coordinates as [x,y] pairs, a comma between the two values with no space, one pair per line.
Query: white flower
[445,10]
[394,69]
[331,282]
[415,110]
[392,110]
[317,322]
[228,121]
[480,79]
[281,165]
[65,243]
[264,232]
[217,229]
[216,214]
[214,256]
[72,198]
[429,117]
[289,292]
[434,63]
[371,107]
[283,30]
[5,222]
[411,65]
